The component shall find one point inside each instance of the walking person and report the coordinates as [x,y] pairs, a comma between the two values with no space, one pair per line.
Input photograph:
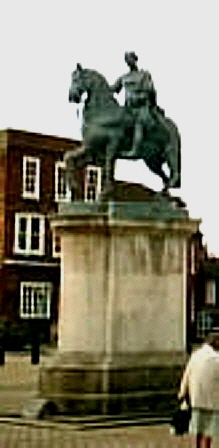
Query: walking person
[200,382]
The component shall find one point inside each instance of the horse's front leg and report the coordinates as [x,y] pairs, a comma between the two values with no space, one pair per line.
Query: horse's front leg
[108,175]
[173,161]
[108,169]
[156,167]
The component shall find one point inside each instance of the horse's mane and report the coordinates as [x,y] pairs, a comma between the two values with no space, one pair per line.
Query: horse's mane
[96,77]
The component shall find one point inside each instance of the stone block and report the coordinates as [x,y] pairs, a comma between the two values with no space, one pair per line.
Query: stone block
[38,408]
[122,316]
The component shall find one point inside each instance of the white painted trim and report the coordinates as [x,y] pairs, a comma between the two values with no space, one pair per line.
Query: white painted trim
[55,254]
[27,194]
[210,291]
[61,198]
[28,250]
[11,261]
[193,253]
[35,287]
[87,184]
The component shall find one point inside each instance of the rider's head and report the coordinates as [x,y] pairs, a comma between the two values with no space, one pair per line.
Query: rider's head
[131,58]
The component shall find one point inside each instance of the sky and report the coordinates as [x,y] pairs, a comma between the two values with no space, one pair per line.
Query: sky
[176,40]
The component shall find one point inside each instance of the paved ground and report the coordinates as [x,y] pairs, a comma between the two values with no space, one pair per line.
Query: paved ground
[18,383]
[44,435]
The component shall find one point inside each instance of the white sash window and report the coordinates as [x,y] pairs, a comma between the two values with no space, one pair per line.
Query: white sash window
[92,188]
[29,234]
[210,292]
[35,300]
[31,177]
[56,245]
[204,323]
[62,191]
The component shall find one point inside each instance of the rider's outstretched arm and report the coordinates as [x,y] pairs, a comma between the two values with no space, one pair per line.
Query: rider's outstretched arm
[117,86]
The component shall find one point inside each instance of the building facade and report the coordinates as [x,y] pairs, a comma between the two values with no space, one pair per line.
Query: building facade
[32,184]
[207,318]
[195,260]
[203,291]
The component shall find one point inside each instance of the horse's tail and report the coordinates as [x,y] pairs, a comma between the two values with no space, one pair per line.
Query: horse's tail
[173,153]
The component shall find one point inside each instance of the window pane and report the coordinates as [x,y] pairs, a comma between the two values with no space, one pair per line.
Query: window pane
[92,177]
[35,234]
[62,192]
[30,176]
[61,182]
[35,300]
[210,293]
[92,183]
[29,290]
[23,224]
[91,193]
[22,233]
[35,225]
[56,245]
[24,307]
[204,323]
[29,234]
[43,302]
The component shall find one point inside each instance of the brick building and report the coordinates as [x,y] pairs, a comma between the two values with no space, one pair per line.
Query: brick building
[195,260]
[203,291]
[207,297]
[32,183]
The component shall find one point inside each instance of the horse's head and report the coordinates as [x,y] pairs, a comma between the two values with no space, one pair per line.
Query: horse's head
[78,85]
[91,82]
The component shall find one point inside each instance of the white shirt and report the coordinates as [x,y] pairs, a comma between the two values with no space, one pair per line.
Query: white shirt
[201,378]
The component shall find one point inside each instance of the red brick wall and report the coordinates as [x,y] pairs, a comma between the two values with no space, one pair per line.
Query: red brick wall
[3,169]
[13,146]
[49,150]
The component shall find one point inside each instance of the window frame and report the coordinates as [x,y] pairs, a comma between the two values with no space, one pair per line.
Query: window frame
[55,253]
[87,184]
[27,194]
[204,323]
[59,197]
[193,258]
[29,234]
[35,285]
[210,292]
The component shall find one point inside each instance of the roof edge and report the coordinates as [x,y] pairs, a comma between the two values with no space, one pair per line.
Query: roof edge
[10,130]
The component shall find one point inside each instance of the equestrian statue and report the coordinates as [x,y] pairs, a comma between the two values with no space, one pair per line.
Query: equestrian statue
[137,130]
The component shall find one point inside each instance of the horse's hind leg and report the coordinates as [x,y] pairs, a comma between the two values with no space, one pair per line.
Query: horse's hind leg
[156,168]
[174,162]
[108,175]
[109,166]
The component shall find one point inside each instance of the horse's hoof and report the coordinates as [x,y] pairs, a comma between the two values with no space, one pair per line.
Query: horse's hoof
[165,192]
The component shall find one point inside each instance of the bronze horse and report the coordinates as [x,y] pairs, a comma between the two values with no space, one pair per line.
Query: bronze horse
[108,131]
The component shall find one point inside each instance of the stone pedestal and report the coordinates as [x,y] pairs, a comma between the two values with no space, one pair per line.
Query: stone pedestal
[122,312]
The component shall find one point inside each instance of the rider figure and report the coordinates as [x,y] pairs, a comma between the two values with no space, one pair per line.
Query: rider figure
[140,97]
